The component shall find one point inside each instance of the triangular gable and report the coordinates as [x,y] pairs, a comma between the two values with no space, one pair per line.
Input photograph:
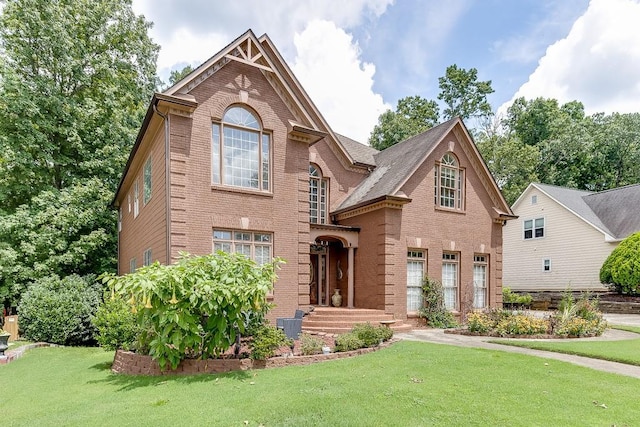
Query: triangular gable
[262,54]
[572,201]
[398,163]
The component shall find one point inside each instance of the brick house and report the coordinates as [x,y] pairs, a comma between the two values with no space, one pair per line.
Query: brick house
[236,157]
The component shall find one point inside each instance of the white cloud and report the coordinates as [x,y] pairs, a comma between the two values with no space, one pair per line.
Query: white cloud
[329,67]
[598,63]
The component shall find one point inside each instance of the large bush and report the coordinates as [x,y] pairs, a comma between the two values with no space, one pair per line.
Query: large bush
[59,311]
[621,270]
[116,326]
[196,307]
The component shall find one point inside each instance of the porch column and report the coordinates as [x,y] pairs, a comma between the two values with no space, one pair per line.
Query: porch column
[350,278]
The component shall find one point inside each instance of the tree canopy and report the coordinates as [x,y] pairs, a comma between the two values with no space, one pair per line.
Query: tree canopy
[76,78]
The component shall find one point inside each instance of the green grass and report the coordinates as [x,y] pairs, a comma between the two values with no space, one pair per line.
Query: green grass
[624,351]
[407,384]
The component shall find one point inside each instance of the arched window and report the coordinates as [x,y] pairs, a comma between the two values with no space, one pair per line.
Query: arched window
[317,196]
[240,151]
[449,183]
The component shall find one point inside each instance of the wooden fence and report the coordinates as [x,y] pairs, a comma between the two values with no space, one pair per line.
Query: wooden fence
[11,326]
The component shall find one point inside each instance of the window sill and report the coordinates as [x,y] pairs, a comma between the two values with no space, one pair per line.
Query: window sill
[228,189]
[455,211]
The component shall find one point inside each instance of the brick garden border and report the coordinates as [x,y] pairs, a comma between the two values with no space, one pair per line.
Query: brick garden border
[11,355]
[129,363]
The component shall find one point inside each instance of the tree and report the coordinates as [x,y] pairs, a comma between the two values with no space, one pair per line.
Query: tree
[176,75]
[413,115]
[463,94]
[76,77]
[621,269]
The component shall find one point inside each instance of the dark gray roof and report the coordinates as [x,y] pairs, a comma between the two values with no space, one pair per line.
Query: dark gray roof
[615,212]
[360,153]
[395,164]
[619,209]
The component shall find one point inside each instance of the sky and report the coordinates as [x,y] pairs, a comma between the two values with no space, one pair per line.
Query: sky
[357,58]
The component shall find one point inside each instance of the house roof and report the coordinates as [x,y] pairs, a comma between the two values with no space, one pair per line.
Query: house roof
[396,164]
[360,153]
[612,212]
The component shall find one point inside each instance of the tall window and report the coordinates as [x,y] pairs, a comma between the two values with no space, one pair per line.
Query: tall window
[479,281]
[136,198]
[240,151]
[146,257]
[534,228]
[146,182]
[132,265]
[449,183]
[317,196]
[415,274]
[450,276]
[256,246]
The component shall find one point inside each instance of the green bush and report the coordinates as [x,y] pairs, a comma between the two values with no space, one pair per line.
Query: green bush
[384,333]
[522,324]
[510,297]
[59,311]
[348,342]
[196,307]
[579,317]
[367,333]
[480,323]
[310,344]
[621,269]
[266,341]
[433,309]
[116,325]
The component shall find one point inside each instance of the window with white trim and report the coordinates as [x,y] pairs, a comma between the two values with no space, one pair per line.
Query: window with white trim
[450,278]
[546,265]
[480,265]
[136,195]
[534,199]
[132,265]
[254,245]
[415,275]
[120,219]
[449,183]
[146,182]
[317,196]
[146,257]
[240,151]
[534,228]
[129,201]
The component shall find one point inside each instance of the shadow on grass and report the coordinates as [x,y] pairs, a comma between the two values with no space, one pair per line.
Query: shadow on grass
[132,382]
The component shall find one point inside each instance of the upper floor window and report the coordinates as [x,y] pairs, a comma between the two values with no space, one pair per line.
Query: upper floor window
[534,228]
[317,196]
[449,183]
[240,151]
[146,182]
[136,196]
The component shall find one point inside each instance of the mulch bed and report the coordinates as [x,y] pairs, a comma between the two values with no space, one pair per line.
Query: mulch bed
[539,336]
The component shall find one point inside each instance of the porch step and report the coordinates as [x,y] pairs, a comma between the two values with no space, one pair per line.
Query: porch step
[341,320]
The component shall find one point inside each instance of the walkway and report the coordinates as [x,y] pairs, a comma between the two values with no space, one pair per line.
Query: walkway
[439,337]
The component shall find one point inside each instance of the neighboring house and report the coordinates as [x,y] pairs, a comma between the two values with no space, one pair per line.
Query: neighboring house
[236,157]
[563,236]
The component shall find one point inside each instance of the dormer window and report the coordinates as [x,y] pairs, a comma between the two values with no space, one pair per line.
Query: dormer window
[240,151]
[317,196]
[449,183]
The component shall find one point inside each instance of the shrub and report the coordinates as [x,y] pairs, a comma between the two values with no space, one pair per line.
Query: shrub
[348,342]
[59,310]
[266,341]
[433,309]
[310,344]
[116,325]
[621,269]
[578,327]
[480,323]
[197,306]
[367,333]
[522,324]
[578,318]
[384,333]
[510,297]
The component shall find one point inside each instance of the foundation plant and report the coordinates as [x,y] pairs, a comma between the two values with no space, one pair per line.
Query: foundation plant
[574,318]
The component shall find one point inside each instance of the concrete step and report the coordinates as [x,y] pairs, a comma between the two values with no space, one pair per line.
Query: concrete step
[342,320]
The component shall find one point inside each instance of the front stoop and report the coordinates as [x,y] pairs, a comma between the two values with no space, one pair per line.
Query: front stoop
[341,320]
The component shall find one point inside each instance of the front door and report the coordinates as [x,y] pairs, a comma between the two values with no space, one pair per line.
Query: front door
[318,286]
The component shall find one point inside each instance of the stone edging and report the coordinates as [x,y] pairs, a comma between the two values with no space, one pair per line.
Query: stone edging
[11,355]
[129,363]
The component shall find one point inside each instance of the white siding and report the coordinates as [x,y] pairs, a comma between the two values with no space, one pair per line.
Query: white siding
[575,248]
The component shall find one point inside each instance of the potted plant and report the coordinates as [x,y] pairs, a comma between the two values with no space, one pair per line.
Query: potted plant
[4,341]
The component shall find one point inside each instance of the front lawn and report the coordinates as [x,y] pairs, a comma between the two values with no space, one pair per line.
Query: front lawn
[409,383]
[625,351]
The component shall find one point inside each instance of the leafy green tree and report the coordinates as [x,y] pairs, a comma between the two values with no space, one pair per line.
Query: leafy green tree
[621,269]
[177,75]
[76,77]
[413,115]
[463,94]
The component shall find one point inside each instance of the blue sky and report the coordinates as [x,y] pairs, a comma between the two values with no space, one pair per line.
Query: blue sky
[356,58]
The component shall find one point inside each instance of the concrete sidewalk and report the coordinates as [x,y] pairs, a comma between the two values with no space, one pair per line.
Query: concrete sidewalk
[439,337]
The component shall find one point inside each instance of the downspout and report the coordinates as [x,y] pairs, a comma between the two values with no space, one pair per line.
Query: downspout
[167,182]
